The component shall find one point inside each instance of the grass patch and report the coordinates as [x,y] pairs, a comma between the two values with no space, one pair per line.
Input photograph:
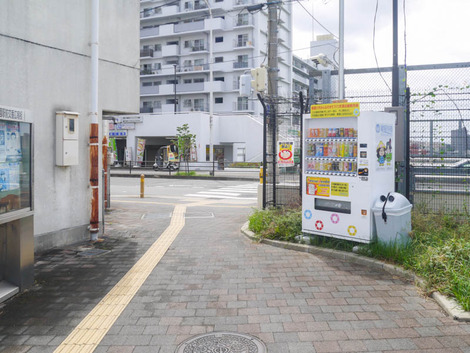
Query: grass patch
[439,250]
[245,165]
[191,173]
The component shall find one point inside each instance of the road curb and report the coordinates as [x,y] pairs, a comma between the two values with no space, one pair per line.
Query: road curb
[449,305]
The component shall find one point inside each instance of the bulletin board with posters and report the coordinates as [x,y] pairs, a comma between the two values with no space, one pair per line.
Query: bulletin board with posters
[15,160]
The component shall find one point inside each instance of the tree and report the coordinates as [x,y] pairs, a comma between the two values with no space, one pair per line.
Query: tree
[185,141]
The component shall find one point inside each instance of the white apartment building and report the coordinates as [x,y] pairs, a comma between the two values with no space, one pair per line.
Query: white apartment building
[185,42]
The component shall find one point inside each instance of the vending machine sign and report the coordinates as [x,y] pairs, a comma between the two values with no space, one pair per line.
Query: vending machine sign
[335,110]
[318,186]
[286,154]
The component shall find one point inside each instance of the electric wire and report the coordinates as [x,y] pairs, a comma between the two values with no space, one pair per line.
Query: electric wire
[66,51]
[326,29]
[373,46]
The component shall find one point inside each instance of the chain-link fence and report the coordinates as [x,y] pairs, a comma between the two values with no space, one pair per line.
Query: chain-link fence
[439,115]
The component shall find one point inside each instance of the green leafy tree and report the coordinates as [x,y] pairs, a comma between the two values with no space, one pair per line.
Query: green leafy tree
[185,141]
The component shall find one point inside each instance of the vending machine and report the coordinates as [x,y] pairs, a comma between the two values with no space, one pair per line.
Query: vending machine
[348,163]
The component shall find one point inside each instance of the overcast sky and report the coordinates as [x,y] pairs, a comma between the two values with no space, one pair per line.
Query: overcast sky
[437,31]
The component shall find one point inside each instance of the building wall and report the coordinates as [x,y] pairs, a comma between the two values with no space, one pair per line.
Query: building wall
[45,67]
[229,131]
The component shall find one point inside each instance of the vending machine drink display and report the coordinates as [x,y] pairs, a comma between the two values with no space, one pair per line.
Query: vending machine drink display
[348,163]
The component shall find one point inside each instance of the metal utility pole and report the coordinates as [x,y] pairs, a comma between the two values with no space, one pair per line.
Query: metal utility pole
[395,55]
[273,71]
[341,51]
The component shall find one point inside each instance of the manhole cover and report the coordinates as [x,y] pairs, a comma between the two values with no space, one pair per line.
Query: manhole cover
[92,252]
[222,342]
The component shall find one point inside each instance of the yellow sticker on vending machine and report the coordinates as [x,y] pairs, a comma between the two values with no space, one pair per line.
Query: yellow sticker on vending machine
[318,186]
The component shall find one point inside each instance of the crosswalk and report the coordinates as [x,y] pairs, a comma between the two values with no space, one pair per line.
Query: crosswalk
[238,192]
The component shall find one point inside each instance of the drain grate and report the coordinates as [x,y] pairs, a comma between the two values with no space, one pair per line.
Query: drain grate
[92,252]
[222,342]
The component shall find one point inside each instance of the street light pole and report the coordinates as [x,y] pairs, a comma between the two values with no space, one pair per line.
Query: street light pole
[211,91]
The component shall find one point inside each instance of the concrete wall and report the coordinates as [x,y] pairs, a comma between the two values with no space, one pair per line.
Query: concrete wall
[45,67]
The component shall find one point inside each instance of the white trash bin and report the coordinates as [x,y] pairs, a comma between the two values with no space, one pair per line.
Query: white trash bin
[392,214]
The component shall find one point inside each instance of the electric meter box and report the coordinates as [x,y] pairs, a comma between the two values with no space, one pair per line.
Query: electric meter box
[66,138]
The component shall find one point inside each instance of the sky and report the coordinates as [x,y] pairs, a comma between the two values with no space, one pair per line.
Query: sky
[437,31]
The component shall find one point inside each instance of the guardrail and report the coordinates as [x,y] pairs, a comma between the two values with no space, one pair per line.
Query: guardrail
[201,168]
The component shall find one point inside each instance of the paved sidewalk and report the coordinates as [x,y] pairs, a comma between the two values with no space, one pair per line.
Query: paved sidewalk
[214,279]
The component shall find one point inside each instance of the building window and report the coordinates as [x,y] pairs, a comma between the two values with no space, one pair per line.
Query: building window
[242,103]
[187,103]
[158,47]
[146,84]
[157,104]
[222,79]
[219,39]
[219,100]
[157,83]
[219,0]
[242,40]
[171,82]
[199,104]
[198,80]
[242,19]
[219,59]
[187,81]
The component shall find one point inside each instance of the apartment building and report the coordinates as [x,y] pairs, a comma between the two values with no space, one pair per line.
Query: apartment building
[186,42]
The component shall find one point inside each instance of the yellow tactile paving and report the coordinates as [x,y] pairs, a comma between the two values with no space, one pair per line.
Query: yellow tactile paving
[91,330]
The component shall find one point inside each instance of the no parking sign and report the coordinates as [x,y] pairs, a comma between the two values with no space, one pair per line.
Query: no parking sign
[286,154]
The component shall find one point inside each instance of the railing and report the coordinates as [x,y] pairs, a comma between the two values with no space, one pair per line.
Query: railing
[147,72]
[242,43]
[240,65]
[149,32]
[216,168]
[185,27]
[146,109]
[147,52]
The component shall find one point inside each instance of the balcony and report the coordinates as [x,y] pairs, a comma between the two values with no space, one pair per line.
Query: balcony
[240,65]
[170,50]
[187,27]
[198,48]
[146,53]
[147,72]
[149,90]
[217,86]
[149,32]
[190,87]
[242,2]
[242,43]
[146,109]
[244,22]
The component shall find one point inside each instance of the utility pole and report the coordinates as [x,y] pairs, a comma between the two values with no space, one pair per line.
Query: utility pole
[273,71]
[395,55]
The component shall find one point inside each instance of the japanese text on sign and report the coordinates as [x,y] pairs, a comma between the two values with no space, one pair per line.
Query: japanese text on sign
[334,110]
[340,189]
[318,186]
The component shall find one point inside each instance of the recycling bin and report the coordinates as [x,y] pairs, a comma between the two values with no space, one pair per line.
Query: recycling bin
[392,215]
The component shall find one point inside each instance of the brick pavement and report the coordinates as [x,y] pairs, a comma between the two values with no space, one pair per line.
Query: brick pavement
[213,279]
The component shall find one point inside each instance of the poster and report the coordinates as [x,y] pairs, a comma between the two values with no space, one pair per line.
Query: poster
[3,148]
[286,154]
[140,150]
[318,186]
[383,147]
[13,148]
